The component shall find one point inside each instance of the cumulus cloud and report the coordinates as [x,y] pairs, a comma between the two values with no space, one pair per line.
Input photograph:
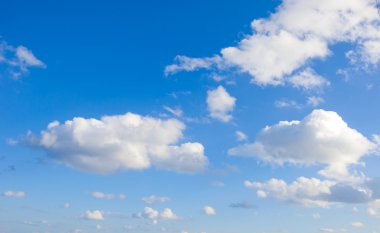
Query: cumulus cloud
[155,215]
[320,138]
[93,215]
[308,79]
[220,104]
[120,142]
[14,194]
[154,199]
[17,60]
[208,210]
[296,34]
[109,196]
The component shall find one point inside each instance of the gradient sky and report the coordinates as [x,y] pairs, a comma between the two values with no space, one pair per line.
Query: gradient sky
[189,116]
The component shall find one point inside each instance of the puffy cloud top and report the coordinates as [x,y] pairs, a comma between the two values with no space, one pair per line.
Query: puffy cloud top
[120,142]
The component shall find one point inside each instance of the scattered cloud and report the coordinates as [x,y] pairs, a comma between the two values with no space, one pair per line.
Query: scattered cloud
[93,215]
[155,215]
[177,111]
[315,101]
[15,194]
[287,104]
[208,210]
[220,104]
[334,144]
[17,60]
[120,142]
[296,34]
[240,136]
[357,224]
[242,205]
[154,199]
[100,195]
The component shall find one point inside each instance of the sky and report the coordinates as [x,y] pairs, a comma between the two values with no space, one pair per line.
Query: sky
[189,116]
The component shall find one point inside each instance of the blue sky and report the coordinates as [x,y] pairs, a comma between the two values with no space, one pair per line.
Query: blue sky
[189,117]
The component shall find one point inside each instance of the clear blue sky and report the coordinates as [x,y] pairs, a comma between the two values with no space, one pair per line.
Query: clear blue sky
[189,116]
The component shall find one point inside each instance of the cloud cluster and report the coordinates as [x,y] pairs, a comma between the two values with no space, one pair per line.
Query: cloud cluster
[155,215]
[283,44]
[120,142]
[333,144]
[220,104]
[17,60]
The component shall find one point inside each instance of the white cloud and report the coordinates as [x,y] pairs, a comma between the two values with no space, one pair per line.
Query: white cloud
[155,215]
[286,104]
[308,192]
[220,104]
[18,60]
[177,111]
[154,199]
[374,208]
[93,215]
[240,136]
[320,138]
[184,63]
[66,205]
[109,196]
[357,224]
[14,194]
[208,210]
[297,33]
[120,142]
[308,79]
[314,101]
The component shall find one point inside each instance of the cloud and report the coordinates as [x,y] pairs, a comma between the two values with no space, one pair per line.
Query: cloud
[14,194]
[208,210]
[296,34]
[184,63]
[308,192]
[242,205]
[308,79]
[120,142]
[175,111]
[220,104]
[93,215]
[240,136]
[100,195]
[315,101]
[154,199]
[357,224]
[333,143]
[155,215]
[17,60]
[287,104]
[374,208]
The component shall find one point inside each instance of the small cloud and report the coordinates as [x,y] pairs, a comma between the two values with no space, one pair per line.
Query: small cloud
[100,195]
[240,136]
[155,215]
[242,205]
[14,194]
[154,199]
[357,224]
[66,205]
[208,210]
[218,183]
[286,104]
[177,111]
[315,101]
[93,215]
[220,104]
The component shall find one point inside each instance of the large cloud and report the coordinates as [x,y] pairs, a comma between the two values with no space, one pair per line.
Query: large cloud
[120,142]
[298,32]
[320,138]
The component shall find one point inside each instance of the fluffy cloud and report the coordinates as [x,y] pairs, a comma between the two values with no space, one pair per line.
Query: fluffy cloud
[100,195]
[154,199]
[308,192]
[320,138]
[14,194]
[220,104]
[298,32]
[155,215]
[120,142]
[208,210]
[93,215]
[18,60]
